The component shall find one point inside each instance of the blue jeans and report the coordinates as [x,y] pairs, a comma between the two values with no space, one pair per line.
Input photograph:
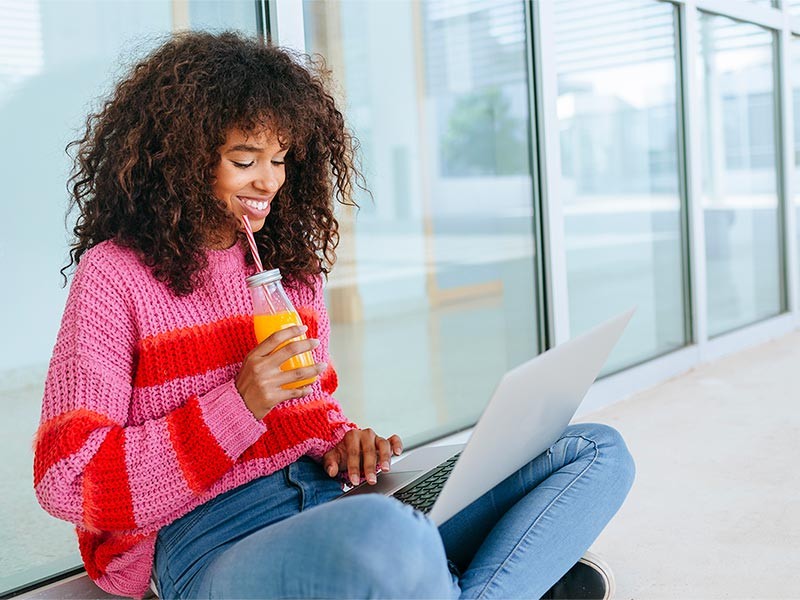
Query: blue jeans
[280,537]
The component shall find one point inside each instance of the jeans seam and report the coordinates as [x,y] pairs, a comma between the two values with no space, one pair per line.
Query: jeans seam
[176,537]
[541,514]
[296,485]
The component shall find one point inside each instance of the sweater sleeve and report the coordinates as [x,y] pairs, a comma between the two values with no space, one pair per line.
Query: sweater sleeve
[90,467]
[314,314]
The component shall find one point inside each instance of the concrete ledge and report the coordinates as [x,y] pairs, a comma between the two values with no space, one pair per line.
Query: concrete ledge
[75,587]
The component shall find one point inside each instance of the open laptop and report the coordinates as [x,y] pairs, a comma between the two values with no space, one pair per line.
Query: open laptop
[530,409]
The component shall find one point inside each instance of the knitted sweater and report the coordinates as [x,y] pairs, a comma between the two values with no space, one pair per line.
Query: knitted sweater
[141,420]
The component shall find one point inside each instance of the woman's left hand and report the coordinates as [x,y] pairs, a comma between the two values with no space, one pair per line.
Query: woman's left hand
[360,451]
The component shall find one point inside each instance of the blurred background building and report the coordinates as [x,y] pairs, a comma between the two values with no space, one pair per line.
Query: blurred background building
[536,167]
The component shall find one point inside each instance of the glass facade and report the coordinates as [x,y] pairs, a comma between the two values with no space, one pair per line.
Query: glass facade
[736,84]
[794,79]
[56,58]
[618,120]
[433,295]
[437,288]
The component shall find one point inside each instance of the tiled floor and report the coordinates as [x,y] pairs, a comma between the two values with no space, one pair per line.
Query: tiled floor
[715,510]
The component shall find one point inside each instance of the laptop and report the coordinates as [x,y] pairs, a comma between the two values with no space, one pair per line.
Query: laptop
[528,412]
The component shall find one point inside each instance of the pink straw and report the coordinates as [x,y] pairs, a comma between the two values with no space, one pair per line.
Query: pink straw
[251,240]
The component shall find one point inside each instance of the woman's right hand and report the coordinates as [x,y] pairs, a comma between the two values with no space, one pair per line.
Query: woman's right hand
[260,379]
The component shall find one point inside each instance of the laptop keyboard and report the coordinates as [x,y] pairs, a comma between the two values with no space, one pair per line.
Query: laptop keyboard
[421,494]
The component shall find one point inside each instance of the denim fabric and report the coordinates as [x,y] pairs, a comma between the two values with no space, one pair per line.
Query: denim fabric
[280,537]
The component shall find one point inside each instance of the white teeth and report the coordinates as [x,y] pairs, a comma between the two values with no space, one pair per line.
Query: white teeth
[256,205]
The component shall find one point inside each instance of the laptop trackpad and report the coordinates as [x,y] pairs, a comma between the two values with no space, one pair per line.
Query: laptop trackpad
[387,483]
[406,468]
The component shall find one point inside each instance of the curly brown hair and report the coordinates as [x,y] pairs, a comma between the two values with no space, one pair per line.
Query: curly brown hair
[143,169]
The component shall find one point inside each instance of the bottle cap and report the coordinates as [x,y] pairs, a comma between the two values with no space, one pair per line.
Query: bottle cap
[263,277]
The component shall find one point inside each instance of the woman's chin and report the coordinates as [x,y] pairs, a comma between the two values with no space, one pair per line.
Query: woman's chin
[257,224]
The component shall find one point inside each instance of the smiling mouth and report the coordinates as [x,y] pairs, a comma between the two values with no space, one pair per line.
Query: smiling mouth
[255,204]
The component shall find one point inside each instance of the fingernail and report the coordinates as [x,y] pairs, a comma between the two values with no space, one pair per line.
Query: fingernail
[371,478]
[385,466]
[303,327]
[332,471]
[315,342]
[355,479]
[397,451]
[323,366]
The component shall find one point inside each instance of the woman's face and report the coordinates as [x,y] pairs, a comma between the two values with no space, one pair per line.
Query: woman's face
[249,174]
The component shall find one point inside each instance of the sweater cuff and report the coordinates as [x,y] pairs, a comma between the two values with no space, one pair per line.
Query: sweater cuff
[229,420]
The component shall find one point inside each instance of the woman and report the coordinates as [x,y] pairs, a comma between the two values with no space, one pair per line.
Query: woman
[166,435]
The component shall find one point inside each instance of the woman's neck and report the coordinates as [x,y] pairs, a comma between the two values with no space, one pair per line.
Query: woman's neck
[220,241]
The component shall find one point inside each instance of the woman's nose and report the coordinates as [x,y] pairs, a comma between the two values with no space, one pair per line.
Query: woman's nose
[267,181]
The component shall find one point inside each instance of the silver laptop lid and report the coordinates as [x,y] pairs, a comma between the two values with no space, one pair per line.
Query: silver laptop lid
[530,408]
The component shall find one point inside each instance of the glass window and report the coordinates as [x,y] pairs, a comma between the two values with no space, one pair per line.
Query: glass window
[618,119]
[794,7]
[739,178]
[56,58]
[433,295]
[795,83]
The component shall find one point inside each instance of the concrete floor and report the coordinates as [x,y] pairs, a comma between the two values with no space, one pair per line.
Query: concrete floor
[715,509]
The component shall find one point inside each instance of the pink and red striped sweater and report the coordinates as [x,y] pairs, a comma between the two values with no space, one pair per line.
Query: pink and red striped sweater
[141,420]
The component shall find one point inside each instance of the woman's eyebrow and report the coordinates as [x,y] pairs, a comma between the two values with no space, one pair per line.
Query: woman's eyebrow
[248,148]
[244,148]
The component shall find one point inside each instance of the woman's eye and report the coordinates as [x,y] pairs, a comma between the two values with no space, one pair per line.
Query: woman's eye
[277,162]
[243,165]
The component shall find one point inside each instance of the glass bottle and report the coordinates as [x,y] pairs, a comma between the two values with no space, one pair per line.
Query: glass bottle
[273,311]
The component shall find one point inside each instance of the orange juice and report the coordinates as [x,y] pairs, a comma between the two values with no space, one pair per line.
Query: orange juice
[267,324]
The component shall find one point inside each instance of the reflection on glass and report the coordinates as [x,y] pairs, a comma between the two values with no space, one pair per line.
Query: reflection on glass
[618,121]
[217,15]
[795,81]
[740,200]
[56,57]
[794,7]
[432,297]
